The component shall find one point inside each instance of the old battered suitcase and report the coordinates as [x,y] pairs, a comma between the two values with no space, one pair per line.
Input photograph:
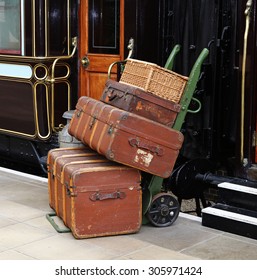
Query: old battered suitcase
[51,168]
[140,102]
[125,137]
[101,198]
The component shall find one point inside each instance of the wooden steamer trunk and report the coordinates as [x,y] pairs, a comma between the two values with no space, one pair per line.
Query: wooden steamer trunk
[102,199]
[125,137]
[140,102]
[97,197]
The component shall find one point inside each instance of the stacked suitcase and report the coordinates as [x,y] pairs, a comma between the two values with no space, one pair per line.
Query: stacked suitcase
[92,195]
[96,189]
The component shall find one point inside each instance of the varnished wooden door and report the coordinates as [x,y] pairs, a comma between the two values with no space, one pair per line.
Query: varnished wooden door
[101,42]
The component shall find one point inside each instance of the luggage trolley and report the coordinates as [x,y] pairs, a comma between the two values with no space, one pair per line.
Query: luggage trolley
[161,208]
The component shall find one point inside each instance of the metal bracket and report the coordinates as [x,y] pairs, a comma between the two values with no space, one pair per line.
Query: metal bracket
[53,223]
[196,110]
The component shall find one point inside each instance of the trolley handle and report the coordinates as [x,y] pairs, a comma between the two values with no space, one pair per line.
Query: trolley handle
[170,61]
[189,90]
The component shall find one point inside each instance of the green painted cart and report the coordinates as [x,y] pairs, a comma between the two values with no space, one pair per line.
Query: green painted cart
[161,208]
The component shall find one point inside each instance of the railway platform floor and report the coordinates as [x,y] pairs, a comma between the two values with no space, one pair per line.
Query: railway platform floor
[26,234]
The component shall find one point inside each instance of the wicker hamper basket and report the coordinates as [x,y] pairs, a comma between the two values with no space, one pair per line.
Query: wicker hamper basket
[154,79]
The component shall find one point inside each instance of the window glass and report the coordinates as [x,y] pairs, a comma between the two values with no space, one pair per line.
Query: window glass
[10,26]
[104,26]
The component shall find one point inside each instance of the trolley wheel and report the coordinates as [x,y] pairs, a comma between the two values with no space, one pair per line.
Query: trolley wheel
[163,210]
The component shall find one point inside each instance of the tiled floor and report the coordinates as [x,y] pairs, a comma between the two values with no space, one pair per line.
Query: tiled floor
[27,234]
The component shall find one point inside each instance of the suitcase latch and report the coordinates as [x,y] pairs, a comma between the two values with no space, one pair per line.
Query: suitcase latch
[70,190]
[110,129]
[92,122]
[112,94]
[78,113]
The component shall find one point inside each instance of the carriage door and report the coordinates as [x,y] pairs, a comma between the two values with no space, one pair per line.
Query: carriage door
[101,43]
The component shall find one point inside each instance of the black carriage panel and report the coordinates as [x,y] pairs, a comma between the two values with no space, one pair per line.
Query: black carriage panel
[219,25]
[17,107]
[213,24]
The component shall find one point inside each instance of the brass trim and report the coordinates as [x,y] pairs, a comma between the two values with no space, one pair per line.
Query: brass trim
[243,76]
[68,27]
[40,65]
[85,62]
[41,58]
[22,26]
[13,132]
[52,78]
[67,74]
[33,12]
[47,111]
[46,28]
[30,58]
[53,127]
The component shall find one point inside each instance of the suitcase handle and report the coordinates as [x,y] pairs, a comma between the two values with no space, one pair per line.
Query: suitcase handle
[103,196]
[140,144]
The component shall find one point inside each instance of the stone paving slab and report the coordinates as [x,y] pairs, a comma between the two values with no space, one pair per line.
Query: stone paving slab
[26,233]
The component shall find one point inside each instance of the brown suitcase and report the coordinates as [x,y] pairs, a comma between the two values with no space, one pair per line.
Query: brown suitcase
[101,198]
[53,156]
[125,137]
[142,103]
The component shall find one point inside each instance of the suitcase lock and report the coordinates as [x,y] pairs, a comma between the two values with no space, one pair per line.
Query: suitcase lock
[112,94]
[70,190]
[92,122]
[78,113]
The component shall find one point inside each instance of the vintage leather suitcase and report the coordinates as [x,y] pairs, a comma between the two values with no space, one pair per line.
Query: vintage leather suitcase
[125,137]
[101,198]
[53,156]
[142,103]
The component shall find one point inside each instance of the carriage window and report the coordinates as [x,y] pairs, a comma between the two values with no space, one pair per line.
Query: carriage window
[10,26]
[104,26]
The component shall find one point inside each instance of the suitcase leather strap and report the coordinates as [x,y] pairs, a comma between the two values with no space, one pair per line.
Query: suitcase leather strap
[144,145]
[103,196]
